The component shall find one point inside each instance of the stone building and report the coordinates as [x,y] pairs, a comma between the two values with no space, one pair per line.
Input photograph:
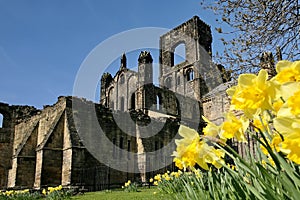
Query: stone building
[41,148]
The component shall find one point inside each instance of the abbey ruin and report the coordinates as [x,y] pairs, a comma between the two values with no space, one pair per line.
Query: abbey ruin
[41,148]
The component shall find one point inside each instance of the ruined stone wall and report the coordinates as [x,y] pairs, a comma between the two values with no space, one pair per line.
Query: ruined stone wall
[30,136]
[185,78]
[11,116]
[61,144]
[216,103]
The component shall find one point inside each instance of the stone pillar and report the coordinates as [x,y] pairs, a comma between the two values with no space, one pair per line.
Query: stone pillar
[38,169]
[67,155]
[141,158]
[12,174]
[66,167]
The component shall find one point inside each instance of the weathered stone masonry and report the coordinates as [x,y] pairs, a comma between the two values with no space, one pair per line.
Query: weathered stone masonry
[41,148]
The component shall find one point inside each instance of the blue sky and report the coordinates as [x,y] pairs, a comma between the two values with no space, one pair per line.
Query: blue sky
[43,42]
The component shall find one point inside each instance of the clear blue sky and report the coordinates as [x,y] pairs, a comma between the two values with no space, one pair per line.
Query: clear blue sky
[43,42]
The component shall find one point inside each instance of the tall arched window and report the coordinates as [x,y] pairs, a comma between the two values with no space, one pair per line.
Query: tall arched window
[178,80]
[168,82]
[1,120]
[132,102]
[110,99]
[121,145]
[122,104]
[122,79]
[179,54]
[190,74]
[128,149]
[158,102]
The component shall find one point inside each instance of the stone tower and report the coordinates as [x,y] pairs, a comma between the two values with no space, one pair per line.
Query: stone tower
[188,77]
[145,81]
[267,62]
[145,69]
[106,79]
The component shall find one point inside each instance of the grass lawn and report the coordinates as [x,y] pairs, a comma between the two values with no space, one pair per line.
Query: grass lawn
[143,194]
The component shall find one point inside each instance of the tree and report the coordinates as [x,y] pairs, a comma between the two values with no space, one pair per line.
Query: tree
[256,26]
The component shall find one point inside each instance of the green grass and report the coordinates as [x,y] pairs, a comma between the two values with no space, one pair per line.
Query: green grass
[143,194]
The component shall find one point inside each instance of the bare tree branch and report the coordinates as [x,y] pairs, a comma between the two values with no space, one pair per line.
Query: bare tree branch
[256,26]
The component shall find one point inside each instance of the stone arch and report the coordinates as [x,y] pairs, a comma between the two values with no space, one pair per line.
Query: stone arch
[195,34]
[6,115]
[179,53]
[6,124]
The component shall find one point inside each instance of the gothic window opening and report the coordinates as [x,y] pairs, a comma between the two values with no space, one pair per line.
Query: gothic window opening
[179,54]
[121,145]
[158,102]
[128,149]
[1,120]
[132,102]
[190,74]
[178,80]
[168,82]
[122,79]
[122,104]
[110,99]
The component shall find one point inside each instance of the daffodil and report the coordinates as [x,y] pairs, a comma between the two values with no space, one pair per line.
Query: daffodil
[253,94]
[157,177]
[277,105]
[192,150]
[291,147]
[289,128]
[210,129]
[294,103]
[233,127]
[288,71]
[187,151]
[44,192]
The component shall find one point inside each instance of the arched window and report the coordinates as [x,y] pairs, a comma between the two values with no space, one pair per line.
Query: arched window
[190,74]
[121,145]
[158,102]
[179,54]
[178,80]
[168,82]
[132,102]
[122,79]
[128,149]
[1,120]
[122,103]
[110,99]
